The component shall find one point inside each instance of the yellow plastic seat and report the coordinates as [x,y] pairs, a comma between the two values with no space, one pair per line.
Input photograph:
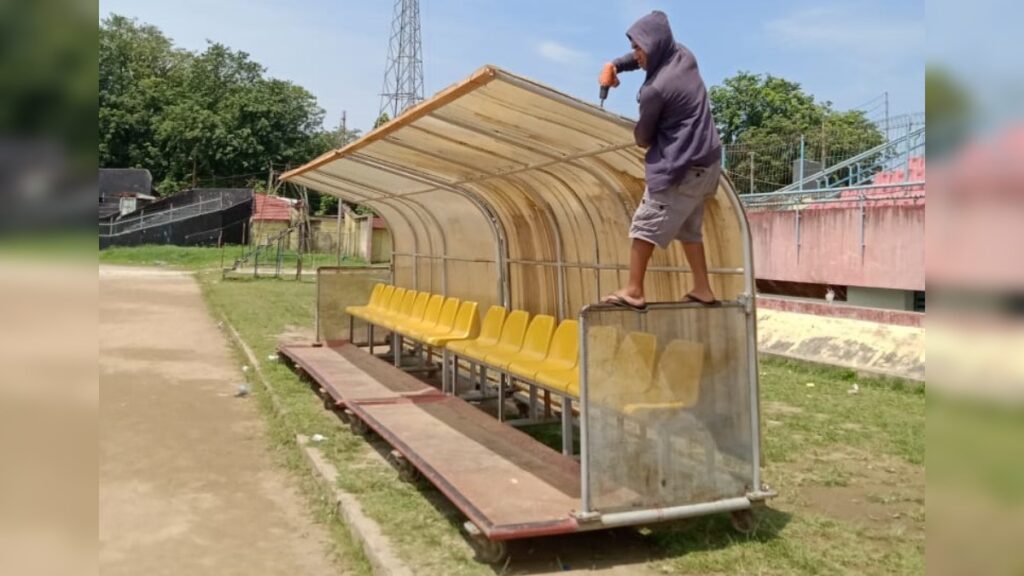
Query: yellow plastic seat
[602,345]
[375,295]
[376,304]
[419,306]
[467,324]
[404,310]
[633,372]
[676,383]
[444,324]
[565,380]
[429,317]
[511,338]
[534,346]
[490,331]
[383,300]
[562,354]
[394,311]
[391,307]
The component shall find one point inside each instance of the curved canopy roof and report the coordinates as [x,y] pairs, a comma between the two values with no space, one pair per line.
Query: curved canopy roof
[504,191]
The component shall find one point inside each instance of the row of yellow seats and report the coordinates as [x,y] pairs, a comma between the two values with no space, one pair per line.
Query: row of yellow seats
[421,316]
[627,373]
[532,350]
[626,370]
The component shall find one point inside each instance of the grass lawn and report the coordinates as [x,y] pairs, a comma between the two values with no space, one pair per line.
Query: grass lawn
[849,469]
[201,258]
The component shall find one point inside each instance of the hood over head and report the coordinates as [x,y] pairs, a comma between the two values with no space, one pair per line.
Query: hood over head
[653,34]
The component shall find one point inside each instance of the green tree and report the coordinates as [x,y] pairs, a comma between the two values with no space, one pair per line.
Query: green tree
[337,138]
[381,120]
[761,119]
[212,117]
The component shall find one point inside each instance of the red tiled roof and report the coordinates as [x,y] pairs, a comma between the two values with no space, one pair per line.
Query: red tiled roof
[271,208]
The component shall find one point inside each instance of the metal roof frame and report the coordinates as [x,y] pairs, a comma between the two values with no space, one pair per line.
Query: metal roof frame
[506,191]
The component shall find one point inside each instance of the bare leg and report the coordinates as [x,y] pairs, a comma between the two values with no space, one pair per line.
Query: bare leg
[698,264]
[639,255]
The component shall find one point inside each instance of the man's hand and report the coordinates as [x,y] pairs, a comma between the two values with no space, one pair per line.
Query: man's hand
[608,77]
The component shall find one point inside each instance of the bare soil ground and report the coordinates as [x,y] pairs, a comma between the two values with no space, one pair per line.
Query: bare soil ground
[187,485]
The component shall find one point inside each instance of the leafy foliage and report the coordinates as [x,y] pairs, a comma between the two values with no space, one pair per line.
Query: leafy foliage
[211,116]
[761,118]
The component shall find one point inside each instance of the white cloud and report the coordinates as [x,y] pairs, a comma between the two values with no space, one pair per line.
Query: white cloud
[858,33]
[560,54]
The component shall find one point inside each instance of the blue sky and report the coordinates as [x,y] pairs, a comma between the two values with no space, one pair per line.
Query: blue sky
[843,51]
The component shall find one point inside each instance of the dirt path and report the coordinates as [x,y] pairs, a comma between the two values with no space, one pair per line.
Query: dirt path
[187,485]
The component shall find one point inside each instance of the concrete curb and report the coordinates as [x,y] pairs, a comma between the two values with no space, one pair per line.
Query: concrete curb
[868,348]
[365,531]
[860,371]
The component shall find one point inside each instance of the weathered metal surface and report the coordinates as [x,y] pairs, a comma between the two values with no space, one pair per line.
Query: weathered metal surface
[349,374]
[505,482]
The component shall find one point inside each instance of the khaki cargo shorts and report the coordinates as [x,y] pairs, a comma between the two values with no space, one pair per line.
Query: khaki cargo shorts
[676,213]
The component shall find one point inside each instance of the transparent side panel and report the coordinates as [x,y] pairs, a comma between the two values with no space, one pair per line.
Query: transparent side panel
[668,407]
[338,288]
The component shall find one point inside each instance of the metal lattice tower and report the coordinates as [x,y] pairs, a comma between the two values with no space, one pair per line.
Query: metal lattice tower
[403,74]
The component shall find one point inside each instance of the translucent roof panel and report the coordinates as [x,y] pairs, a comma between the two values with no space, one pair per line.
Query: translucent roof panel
[505,191]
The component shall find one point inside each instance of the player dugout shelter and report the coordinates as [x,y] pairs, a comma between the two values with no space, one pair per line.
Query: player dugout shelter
[506,192]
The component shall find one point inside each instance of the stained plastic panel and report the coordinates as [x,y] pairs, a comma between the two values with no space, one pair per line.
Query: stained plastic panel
[338,288]
[506,187]
[668,407]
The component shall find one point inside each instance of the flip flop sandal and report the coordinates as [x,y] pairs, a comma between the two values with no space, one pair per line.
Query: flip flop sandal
[616,300]
[692,298]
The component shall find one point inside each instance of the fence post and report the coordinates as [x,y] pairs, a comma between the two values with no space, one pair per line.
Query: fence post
[277,273]
[751,172]
[801,172]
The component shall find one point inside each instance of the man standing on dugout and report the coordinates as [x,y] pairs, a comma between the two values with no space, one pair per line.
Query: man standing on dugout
[683,154]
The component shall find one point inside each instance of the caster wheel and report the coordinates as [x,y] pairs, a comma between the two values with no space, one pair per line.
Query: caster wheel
[359,428]
[489,551]
[406,471]
[329,402]
[522,408]
[744,521]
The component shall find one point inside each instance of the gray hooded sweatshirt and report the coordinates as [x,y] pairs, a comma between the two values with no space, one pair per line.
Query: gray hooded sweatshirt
[675,122]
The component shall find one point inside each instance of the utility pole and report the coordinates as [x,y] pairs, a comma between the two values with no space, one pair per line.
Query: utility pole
[802,158]
[751,172]
[824,146]
[344,141]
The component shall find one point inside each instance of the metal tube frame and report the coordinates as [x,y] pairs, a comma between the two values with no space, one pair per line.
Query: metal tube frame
[633,518]
[385,199]
[752,368]
[497,227]
[747,302]
[587,265]
[554,160]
